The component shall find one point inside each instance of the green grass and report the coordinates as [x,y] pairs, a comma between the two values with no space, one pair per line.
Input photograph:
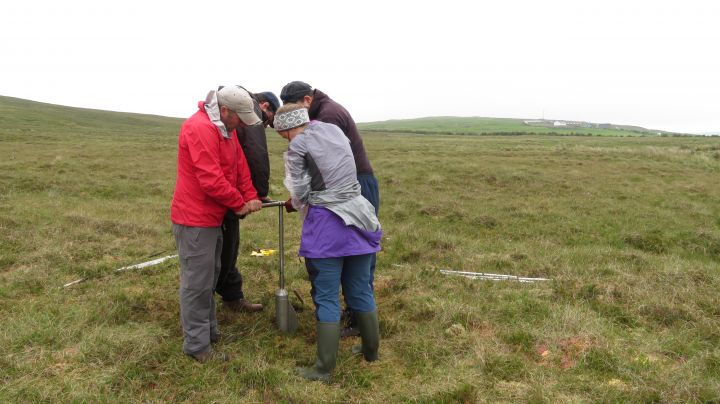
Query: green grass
[496,126]
[628,229]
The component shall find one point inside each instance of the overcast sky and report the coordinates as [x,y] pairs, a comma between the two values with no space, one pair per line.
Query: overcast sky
[649,63]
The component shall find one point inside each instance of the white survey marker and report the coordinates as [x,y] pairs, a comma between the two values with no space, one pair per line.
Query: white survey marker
[147,264]
[492,277]
[136,266]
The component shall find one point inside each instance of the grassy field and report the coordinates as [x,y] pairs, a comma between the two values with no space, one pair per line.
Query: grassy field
[628,229]
[495,126]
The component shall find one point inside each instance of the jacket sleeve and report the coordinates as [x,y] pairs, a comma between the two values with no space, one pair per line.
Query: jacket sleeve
[334,117]
[204,149]
[254,144]
[297,180]
[245,184]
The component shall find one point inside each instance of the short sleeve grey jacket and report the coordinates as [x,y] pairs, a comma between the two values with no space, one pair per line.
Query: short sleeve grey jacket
[320,170]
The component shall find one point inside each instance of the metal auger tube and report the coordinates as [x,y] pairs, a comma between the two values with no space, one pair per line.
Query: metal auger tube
[284,312]
[281,232]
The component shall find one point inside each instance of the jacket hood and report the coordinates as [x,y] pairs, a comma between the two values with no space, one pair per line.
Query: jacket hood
[212,108]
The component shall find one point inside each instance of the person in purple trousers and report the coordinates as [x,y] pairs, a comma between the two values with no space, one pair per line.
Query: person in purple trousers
[323,108]
[340,232]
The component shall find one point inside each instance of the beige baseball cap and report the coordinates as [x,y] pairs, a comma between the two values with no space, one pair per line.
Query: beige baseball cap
[238,100]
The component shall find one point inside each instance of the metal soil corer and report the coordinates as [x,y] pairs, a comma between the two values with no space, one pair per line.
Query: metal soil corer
[285,314]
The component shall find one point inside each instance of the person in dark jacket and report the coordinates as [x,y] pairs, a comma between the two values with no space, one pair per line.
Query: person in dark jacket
[325,109]
[269,103]
[254,145]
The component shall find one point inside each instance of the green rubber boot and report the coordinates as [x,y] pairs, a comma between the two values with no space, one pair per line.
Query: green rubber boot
[328,339]
[370,334]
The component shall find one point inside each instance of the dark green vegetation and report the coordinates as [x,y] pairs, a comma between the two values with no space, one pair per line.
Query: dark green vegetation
[627,228]
[501,126]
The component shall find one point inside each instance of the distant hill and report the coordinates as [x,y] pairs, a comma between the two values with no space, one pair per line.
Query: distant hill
[22,118]
[507,126]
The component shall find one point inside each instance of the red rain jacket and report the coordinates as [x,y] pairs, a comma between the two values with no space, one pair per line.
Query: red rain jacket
[212,174]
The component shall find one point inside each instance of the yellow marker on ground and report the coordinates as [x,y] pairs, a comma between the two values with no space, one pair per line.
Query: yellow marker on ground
[263,253]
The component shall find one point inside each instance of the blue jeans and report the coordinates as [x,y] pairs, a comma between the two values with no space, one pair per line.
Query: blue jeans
[369,189]
[326,276]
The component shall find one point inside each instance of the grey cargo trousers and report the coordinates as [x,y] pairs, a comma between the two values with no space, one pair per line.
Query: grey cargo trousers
[199,249]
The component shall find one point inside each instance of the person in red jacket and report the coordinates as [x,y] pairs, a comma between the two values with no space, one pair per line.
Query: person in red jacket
[212,177]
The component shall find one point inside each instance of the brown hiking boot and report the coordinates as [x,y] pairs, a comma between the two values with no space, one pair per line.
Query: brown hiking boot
[243,306]
[209,355]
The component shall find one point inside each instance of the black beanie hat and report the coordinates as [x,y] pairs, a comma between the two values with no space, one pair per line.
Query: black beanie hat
[294,91]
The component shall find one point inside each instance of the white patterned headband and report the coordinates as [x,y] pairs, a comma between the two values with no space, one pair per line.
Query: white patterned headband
[291,119]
